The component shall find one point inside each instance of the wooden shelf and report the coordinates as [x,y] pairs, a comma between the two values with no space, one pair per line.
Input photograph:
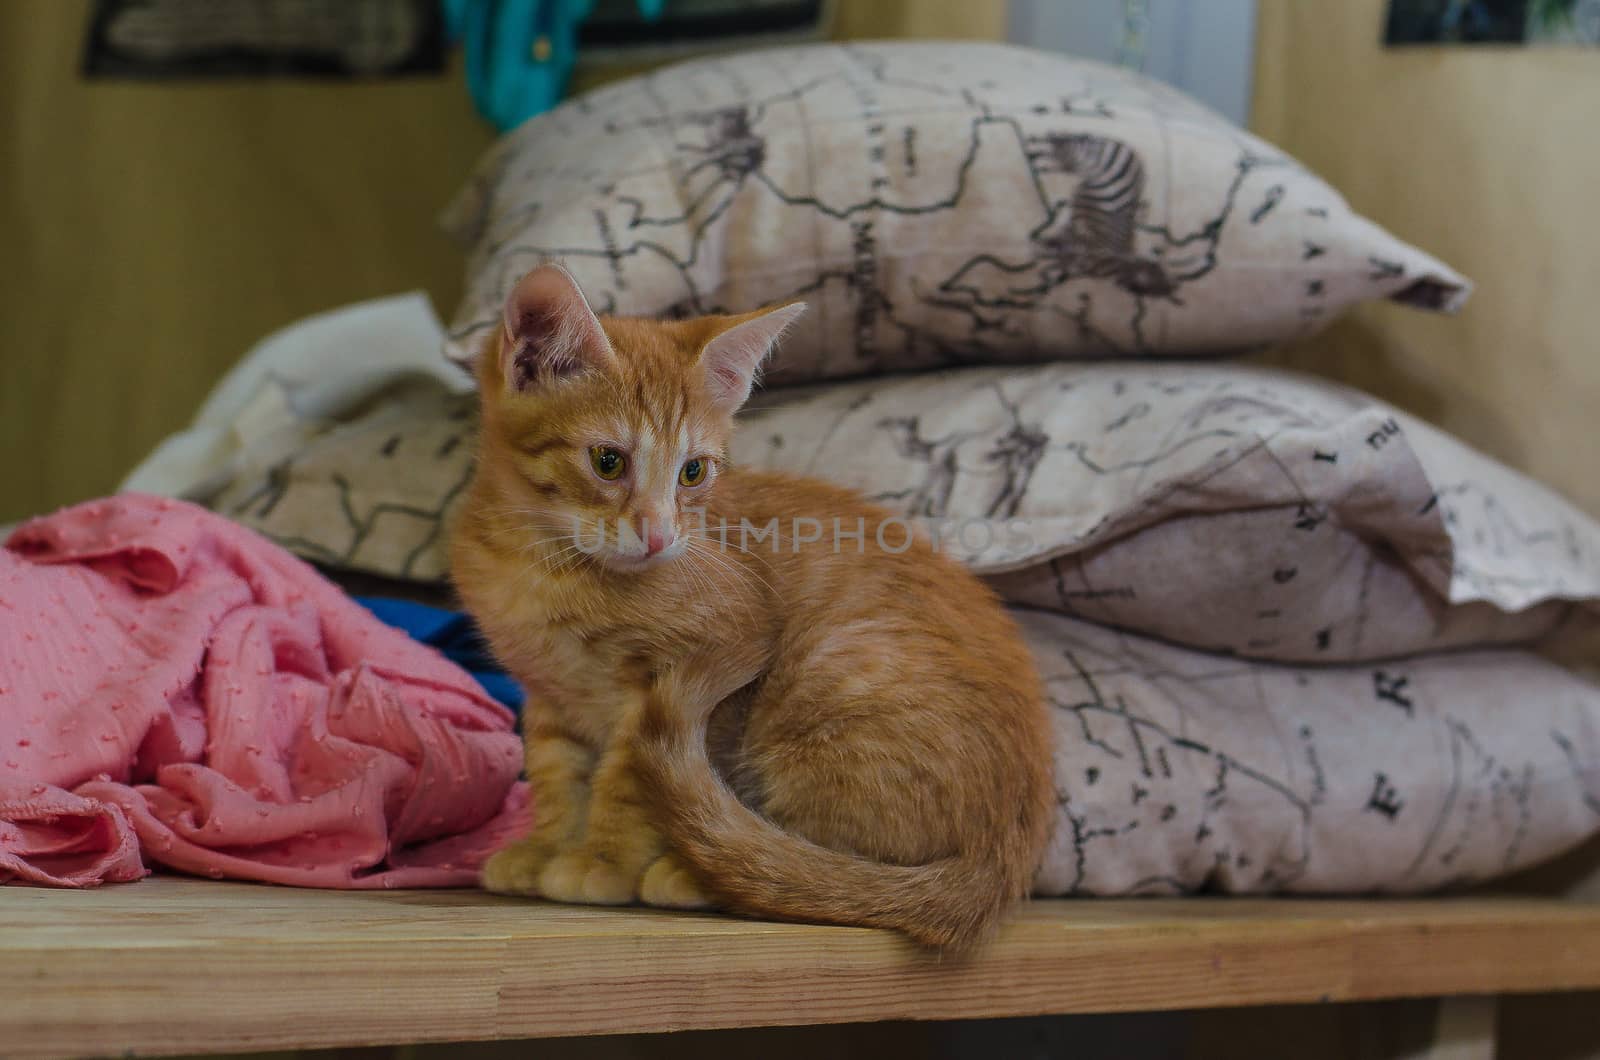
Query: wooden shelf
[175,965]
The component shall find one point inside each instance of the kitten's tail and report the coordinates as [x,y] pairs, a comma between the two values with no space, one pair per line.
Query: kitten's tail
[759,869]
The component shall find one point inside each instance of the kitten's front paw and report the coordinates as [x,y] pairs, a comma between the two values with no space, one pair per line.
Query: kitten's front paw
[516,869]
[585,879]
[668,884]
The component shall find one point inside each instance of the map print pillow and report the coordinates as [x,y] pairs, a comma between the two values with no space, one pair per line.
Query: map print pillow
[935,203]
[1233,508]
[1242,510]
[1180,771]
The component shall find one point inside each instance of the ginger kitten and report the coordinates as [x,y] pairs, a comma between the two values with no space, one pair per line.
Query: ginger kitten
[881,744]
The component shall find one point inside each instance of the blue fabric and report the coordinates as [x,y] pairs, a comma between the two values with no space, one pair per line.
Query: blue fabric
[520,53]
[454,635]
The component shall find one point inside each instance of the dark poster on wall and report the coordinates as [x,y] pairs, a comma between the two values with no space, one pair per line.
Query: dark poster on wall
[621,22]
[1502,22]
[174,39]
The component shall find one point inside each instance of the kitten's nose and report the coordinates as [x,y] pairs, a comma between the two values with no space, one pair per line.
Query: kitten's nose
[657,535]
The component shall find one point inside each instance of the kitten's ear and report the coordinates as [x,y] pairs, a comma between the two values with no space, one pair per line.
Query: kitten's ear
[550,331]
[732,358]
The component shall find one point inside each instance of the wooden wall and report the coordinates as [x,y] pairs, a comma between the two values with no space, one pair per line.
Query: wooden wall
[1489,158]
[153,232]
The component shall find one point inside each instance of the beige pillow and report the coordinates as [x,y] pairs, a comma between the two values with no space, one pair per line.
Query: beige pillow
[1232,508]
[936,203]
[372,493]
[1179,771]
[1274,584]
[1237,509]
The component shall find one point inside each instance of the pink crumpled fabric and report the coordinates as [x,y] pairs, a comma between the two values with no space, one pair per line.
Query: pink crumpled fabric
[176,690]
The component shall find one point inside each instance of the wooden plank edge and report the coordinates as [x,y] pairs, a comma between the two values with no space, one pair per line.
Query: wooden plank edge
[168,999]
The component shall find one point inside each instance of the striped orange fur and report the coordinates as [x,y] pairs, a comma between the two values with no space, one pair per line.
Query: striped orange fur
[796,725]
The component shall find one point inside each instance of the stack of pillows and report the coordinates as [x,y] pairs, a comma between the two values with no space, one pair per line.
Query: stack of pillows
[1284,626]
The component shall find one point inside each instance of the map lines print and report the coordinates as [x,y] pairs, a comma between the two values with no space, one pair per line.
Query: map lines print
[936,205]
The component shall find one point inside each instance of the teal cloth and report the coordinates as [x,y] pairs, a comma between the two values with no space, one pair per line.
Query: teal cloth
[510,75]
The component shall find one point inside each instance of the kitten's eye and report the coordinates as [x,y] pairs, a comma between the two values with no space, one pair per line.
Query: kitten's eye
[693,473]
[608,463]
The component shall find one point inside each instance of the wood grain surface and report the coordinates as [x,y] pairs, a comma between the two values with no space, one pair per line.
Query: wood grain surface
[180,966]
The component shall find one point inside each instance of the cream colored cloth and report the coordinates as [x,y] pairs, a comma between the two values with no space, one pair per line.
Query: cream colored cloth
[1232,508]
[1229,507]
[373,494]
[1178,770]
[937,203]
[296,383]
